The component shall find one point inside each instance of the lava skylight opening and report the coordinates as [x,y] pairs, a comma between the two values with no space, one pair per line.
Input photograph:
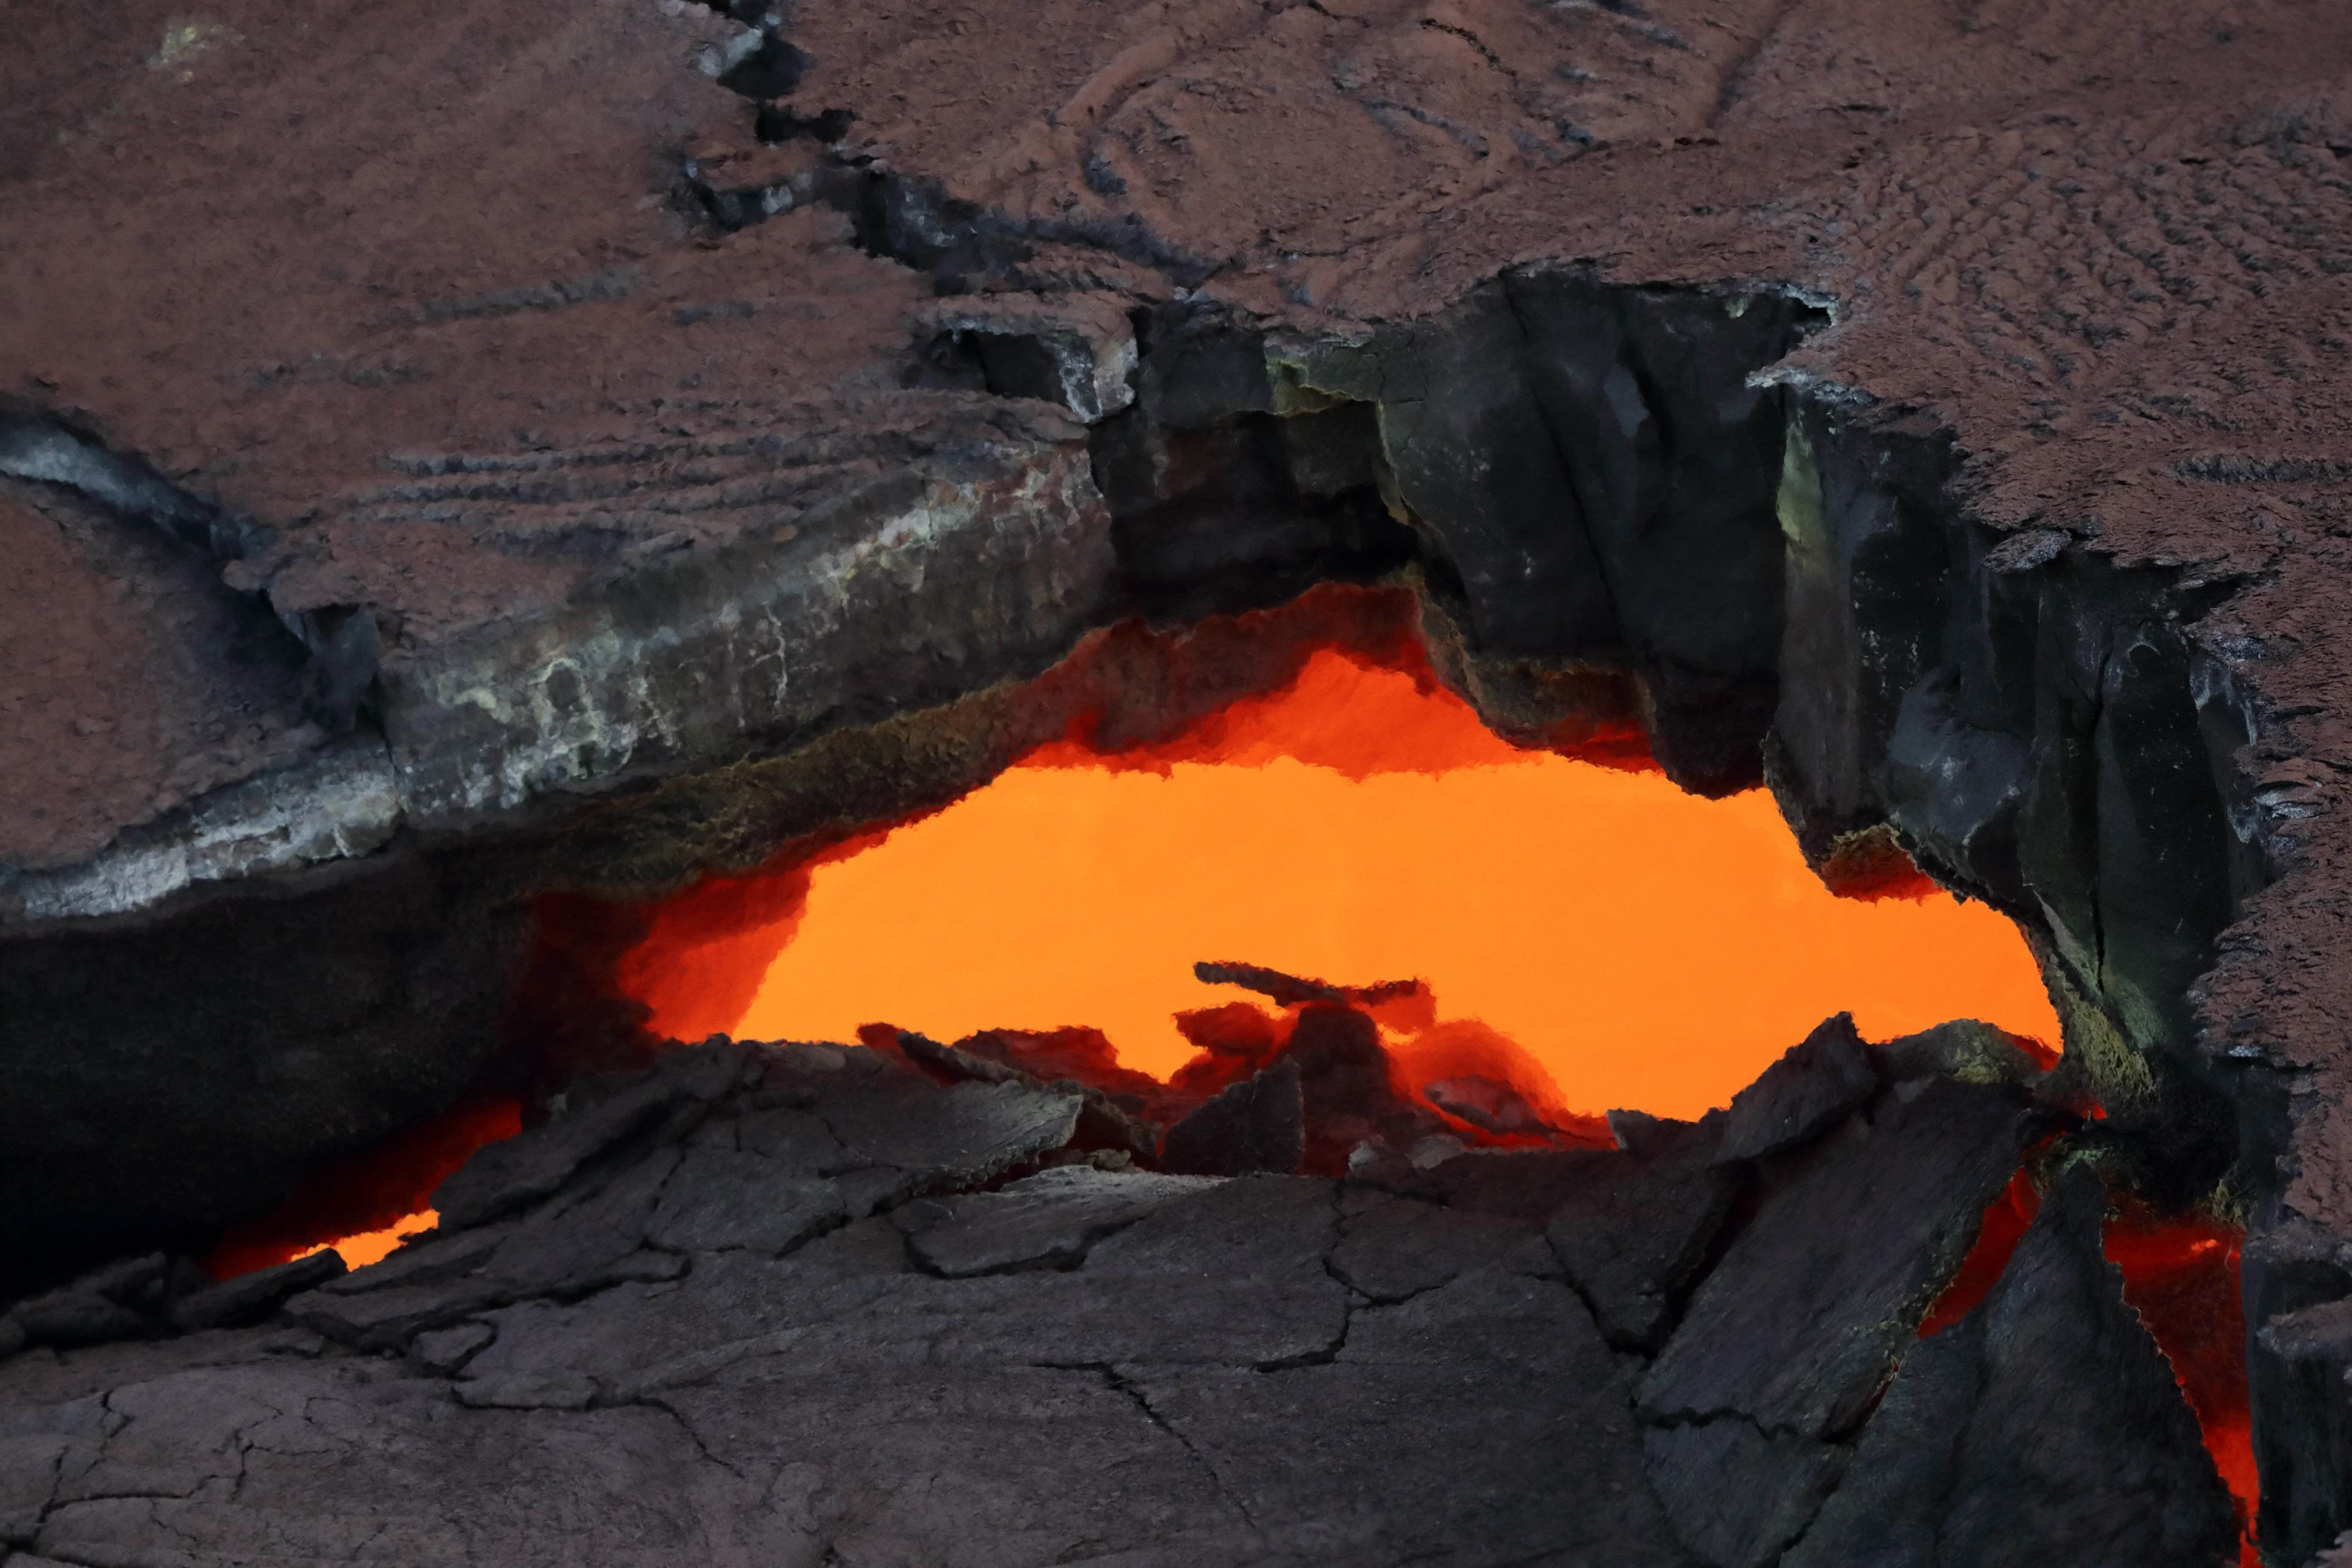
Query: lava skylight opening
[1648,947]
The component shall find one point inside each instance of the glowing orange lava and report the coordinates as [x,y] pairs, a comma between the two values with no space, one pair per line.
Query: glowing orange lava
[2180,1275]
[1649,947]
[365,1206]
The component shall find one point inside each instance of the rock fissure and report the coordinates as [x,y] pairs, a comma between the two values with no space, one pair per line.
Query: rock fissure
[340,644]
[1119,1383]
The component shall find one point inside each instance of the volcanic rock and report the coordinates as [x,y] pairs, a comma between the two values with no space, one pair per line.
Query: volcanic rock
[720,1198]
[1393,1249]
[1964,1048]
[2050,1389]
[1258,1124]
[515,1171]
[1296,991]
[1347,1088]
[122,1299]
[1821,1078]
[1634,1231]
[1820,1320]
[695,1337]
[1789,1339]
[1050,1218]
[1078,1061]
[1525,1184]
[1738,1495]
[250,1296]
[466,452]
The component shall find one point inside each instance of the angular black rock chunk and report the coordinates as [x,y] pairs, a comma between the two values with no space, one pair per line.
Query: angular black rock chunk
[1799,1326]
[249,1296]
[2043,1427]
[1393,1249]
[1526,1184]
[1344,1078]
[1634,1233]
[1296,991]
[584,1240]
[1736,1495]
[959,1136]
[114,1302]
[505,1175]
[723,1198]
[1103,1122]
[1258,1124]
[1489,1398]
[1823,1077]
[1049,1219]
[1963,1048]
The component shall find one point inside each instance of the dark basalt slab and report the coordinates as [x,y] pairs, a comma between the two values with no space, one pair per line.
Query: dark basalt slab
[1797,1328]
[821,1308]
[1258,1124]
[1823,1077]
[1049,1219]
[1634,1233]
[1789,1339]
[2045,1426]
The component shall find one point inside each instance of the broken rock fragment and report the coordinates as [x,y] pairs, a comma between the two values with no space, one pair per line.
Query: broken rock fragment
[505,1175]
[1634,1233]
[1792,1335]
[1047,1219]
[1821,1078]
[720,1198]
[1392,1248]
[1737,1494]
[2044,1427]
[1258,1124]
[251,1296]
[925,1137]
[1799,1325]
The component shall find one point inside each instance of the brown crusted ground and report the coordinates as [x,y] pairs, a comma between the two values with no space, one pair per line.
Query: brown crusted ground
[74,651]
[2109,247]
[127,681]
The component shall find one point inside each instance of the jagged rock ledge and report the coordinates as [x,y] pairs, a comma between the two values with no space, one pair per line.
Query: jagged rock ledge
[803,1301]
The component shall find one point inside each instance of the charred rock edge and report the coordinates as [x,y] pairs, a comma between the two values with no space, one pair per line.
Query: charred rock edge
[498,730]
[340,644]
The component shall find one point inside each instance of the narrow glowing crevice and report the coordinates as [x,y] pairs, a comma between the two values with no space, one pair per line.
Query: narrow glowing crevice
[365,1206]
[1648,947]
[2180,1274]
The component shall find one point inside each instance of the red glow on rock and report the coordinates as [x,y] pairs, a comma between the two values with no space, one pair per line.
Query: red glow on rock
[362,1206]
[1459,1075]
[2180,1274]
[2004,1226]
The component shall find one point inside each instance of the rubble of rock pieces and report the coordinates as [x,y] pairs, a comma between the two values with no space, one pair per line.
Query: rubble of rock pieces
[1307,1089]
[809,1304]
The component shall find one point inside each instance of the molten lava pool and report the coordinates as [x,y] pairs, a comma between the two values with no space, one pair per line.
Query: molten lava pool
[1650,947]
